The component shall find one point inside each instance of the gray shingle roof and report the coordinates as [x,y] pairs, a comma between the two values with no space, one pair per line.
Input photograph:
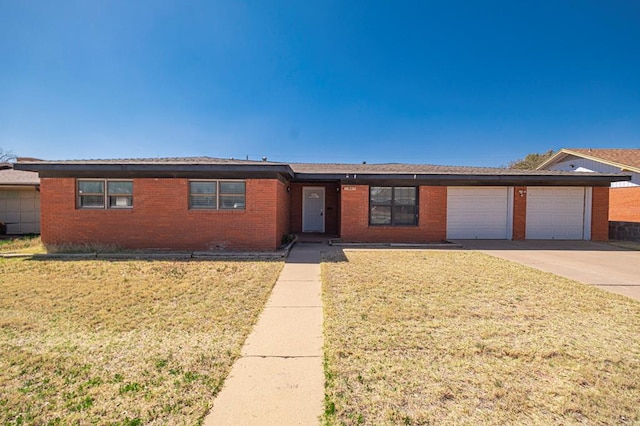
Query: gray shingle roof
[160,160]
[400,168]
[8,176]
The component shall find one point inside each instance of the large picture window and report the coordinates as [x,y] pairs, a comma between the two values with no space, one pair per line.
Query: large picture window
[217,194]
[393,205]
[104,193]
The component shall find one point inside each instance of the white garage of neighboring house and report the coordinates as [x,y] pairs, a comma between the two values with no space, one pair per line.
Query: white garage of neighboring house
[19,201]
[560,213]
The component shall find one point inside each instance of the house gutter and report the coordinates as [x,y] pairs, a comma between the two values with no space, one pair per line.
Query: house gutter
[71,170]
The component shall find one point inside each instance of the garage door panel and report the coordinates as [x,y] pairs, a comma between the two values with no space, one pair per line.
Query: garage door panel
[20,211]
[476,212]
[555,213]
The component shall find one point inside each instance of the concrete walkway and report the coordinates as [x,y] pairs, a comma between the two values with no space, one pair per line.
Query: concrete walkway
[279,379]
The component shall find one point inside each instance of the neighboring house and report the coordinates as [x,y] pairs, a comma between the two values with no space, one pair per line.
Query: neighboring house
[208,203]
[19,201]
[624,197]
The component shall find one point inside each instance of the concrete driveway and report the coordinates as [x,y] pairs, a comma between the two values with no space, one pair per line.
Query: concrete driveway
[609,268]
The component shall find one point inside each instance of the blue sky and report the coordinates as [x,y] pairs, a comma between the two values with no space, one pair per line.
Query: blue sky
[444,82]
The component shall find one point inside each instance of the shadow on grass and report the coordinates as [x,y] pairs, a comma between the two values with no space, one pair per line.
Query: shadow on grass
[335,255]
[149,259]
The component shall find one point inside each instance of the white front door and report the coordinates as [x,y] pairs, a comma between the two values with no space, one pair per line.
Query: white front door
[313,209]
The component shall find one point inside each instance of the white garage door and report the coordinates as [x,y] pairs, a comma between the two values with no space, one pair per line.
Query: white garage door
[556,213]
[478,213]
[20,211]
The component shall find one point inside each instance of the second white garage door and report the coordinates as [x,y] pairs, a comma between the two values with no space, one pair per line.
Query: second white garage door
[478,213]
[557,213]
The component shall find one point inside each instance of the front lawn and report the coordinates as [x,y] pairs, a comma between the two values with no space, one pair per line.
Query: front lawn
[124,342]
[459,337]
[27,244]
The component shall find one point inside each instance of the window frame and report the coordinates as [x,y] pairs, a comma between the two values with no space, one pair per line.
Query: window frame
[191,194]
[104,194]
[217,195]
[108,195]
[392,204]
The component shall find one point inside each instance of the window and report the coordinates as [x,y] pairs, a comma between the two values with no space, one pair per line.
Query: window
[393,205]
[120,194]
[92,194]
[217,195]
[204,195]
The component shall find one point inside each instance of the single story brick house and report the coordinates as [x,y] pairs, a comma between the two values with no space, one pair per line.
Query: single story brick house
[208,203]
[624,197]
[19,201]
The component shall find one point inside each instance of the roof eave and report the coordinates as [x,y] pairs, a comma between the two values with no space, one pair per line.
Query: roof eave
[560,155]
[172,168]
[18,184]
[553,159]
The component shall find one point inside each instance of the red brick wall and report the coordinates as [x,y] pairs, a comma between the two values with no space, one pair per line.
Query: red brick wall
[519,212]
[354,218]
[624,204]
[331,204]
[160,218]
[600,214]
[284,203]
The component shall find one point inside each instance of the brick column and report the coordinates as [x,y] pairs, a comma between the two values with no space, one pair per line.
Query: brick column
[519,212]
[600,214]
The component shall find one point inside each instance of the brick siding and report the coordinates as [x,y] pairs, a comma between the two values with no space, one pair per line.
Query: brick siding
[283,211]
[160,218]
[600,214]
[624,204]
[354,218]
[519,212]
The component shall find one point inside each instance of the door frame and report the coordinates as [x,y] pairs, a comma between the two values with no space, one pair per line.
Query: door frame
[304,206]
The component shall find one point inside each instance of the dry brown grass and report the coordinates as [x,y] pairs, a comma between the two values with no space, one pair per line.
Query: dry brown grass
[131,342]
[24,244]
[435,337]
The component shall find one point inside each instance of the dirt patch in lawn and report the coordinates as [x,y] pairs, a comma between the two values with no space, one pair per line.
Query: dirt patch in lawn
[131,342]
[465,338]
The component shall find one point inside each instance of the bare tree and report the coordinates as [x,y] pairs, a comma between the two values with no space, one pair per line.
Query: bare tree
[6,155]
[531,161]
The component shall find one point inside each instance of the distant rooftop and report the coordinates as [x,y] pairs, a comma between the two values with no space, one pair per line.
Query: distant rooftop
[9,176]
[622,158]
